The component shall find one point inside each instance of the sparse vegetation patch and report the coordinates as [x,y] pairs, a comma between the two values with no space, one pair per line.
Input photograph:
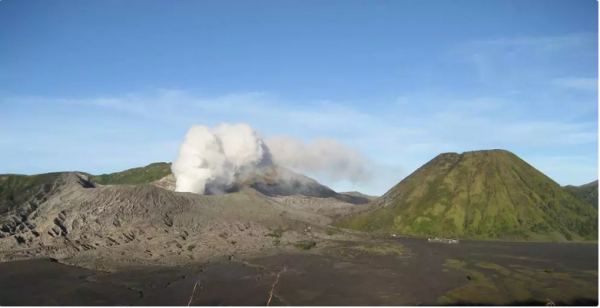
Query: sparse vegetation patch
[305,245]
[277,233]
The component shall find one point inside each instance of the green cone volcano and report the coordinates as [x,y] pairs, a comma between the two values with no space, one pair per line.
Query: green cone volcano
[484,194]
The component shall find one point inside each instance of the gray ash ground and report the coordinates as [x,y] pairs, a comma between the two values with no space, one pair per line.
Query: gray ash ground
[379,272]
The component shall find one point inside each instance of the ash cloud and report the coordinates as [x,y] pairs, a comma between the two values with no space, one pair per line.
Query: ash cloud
[214,156]
[210,159]
[326,157]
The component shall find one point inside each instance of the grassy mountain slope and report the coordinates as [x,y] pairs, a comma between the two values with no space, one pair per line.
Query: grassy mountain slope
[16,189]
[141,175]
[587,192]
[484,194]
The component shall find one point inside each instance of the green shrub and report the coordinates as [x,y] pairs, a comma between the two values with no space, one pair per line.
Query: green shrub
[305,245]
[277,233]
[333,231]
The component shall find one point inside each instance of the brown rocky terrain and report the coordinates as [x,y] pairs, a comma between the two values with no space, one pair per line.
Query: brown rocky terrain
[80,222]
[279,181]
[297,191]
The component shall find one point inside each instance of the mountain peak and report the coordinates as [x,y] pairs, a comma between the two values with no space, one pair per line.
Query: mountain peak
[480,194]
[587,192]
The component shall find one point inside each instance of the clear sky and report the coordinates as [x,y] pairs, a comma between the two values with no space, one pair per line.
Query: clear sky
[101,86]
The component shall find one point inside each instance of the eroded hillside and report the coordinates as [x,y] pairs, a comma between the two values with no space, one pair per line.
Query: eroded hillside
[69,217]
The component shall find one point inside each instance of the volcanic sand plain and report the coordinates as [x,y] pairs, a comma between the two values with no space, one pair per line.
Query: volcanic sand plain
[380,271]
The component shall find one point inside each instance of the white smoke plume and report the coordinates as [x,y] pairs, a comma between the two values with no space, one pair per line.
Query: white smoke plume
[329,158]
[210,158]
[214,156]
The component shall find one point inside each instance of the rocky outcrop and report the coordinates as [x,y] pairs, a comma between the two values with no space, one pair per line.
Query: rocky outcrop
[168,182]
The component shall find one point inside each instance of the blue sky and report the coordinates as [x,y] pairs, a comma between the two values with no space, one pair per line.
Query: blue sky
[101,86]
